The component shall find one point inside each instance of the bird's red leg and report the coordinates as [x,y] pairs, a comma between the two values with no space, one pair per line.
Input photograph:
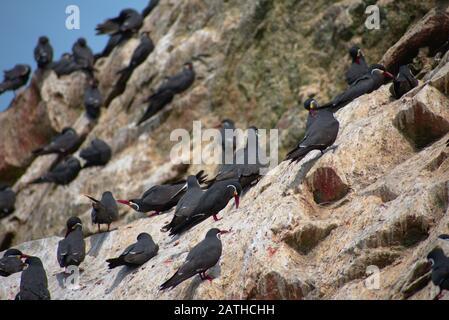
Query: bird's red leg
[98,228]
[216,218]
[207,277]
[439,296]
[155,213]
[109,225]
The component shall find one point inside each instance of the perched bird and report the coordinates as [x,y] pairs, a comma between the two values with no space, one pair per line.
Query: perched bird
[14,78]
[358,66]
[93,99]
[43,53]
[33,283]
[82,55]
[151,5]
[63,173]
[129,20]
[119,87]
[104,211]
[165,93]
[368,83]
[97,154]
[11,262]
[156,104]
[210,204]
[64,143]
[136,254]
[7,200]
[72,249]
[202,257]
[246,166]
[187,204]
[228,139]
[65,65]
[161,198]
[321,134]
[140,54]
[440,270]
[403,82]
[180,82]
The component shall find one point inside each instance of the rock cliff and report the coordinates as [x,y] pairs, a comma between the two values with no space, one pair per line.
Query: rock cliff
[309,230]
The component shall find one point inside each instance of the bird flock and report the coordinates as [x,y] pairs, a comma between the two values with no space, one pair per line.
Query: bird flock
[195,199]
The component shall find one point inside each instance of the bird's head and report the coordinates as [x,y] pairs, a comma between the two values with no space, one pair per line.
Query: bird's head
[215,233]
[15,253]
[356,53]
[72,224]
[82,42]
[235,189]
[32,261]
[133,203]
[43,40]
[188,65]
[434,255]
[67,130]
[310,104]
[143,236]
[378,69]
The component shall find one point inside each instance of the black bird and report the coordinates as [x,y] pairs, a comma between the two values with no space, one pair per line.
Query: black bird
[246,165]
[33,283]
[358,67]
[136,254]
[187,204]
[104,211]
[65,65]
[202,257]
[97,154]
[228,139]
[368,83]
[63,173]
[43,53]
[64,143]
[180,82]
[119,87]
[140,54]
[440,270]
[403,82]
[82,55]
[165,93]
[72,249]
[11,262]
[93,99]
[156,103]
[151,5]
[161,198]
[129,20]
[210,204]
[7,201]
[321,134]
[14,78]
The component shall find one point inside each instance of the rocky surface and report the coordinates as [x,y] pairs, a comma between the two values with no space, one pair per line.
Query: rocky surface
[309,230]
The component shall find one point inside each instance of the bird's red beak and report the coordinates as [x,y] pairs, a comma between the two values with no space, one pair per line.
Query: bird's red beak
[24,256]
[388,75]
[123,202]
[237,200]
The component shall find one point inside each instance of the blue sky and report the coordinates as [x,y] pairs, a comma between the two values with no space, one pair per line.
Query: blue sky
[23,21]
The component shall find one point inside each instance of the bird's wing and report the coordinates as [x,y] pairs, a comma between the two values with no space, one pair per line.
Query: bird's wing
[359,87]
